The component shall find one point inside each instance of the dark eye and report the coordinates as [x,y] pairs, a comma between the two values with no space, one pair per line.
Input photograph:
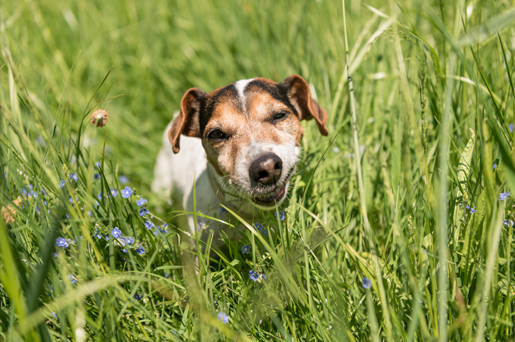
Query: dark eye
[279,116]
[217,135]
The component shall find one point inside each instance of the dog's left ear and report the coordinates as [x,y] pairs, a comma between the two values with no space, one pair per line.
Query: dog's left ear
[300,97]
[187,122]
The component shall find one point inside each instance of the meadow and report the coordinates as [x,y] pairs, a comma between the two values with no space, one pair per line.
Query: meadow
[400,223]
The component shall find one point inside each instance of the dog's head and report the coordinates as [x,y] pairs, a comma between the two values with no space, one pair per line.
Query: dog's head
[251,132]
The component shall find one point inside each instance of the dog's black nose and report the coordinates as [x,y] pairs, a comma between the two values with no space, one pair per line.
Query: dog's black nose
[266,169]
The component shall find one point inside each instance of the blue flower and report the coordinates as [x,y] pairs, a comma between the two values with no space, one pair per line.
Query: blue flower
[367,283]
[99,196]
[54,314]
[98,236]
[223,317]
[116,232]
[43,192]
[129,240]
[508,223]
[164,228]
[281,215]
[124,250]
[258,226]
[223,210]
[68,217]
[75,177]
[72,279]
[166,275]
[141,202]
[61,242]
[245,249]
[155,232]
[149,224]
[495,166]
[253,275]
[56,255]
[264,232]
[140,250]
[473,210]
[97,164]
[114,192]
[126,192]
[23,191]
[510,126]
[137,296]
[143,212]
[504,195]
[123,179]
[61,185]
[200,225]
[96,176]
[106,237]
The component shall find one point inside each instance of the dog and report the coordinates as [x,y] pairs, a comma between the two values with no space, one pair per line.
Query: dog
[239,145]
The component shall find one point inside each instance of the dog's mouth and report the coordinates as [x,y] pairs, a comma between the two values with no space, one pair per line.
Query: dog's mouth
[273,196]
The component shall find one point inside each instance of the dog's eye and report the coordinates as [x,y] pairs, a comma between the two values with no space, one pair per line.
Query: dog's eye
[279,116]
[216,135]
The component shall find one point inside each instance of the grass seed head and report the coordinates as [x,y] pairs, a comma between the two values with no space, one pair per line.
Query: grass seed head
[99,118]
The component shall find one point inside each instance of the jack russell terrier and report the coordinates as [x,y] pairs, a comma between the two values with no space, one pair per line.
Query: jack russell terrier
[240,144]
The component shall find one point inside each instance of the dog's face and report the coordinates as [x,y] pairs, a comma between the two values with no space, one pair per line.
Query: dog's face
[251,132]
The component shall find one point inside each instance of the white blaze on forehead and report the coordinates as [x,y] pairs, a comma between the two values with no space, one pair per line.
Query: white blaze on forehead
[240,88]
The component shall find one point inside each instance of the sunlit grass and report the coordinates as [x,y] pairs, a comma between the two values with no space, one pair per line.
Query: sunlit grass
[434,99]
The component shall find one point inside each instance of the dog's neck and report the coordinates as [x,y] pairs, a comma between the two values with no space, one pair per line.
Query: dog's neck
[226,197]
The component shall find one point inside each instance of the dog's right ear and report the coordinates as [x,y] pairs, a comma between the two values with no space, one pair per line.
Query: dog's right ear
[187,122]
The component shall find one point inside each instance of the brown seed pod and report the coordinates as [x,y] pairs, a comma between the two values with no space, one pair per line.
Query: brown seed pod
[8,212]
[99,118]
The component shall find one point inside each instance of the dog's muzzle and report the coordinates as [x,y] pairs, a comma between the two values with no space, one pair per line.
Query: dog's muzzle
[267,169]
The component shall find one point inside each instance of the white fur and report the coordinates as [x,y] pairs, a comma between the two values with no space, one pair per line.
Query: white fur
[240,88]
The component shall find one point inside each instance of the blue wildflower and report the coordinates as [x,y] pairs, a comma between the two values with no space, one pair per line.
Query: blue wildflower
[155,232]
[123,179]
[75,177]
[264,232]
[116,232]
[281,215]
[98,236]
[495,166]
[367,283]
[61,185]
[245,249]
[137,296]
[114,192]
[129,240]
[166,275]
[473,210]
[89,213]
[43,192]
[510,126]
[68,217]
[124,250]
[149,224]
[99,196]
[508,223]
[141,202]
[223,317]
[23,191]
[504,195]
[106,237]
[200,225]
[164,228]
[143,212]
[258,226]
[97,164]
[223,210]
[126,192]
[56,255]
[253,275]
[72,279]
[96,176]
[140,250]
[54,314]
[61,242]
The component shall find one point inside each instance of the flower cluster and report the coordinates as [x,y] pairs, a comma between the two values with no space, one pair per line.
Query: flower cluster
[245,249]
[256,276]
[367,283]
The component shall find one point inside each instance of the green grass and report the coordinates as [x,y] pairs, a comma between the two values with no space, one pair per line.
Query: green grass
[433,96]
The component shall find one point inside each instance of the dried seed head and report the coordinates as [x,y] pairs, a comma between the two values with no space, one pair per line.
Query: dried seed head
[8,211]
[99,118]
